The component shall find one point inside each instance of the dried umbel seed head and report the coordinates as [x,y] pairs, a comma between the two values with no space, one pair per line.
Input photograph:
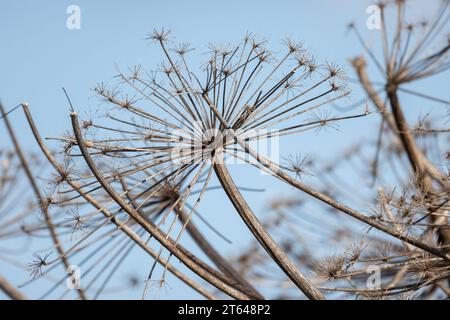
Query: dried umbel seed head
[293,47]
[299,165]
[335,71]
[183,48]
[39,261]
[406,53]
[45,203]
[159,35]
[331,267]
[234,95]
[353,253]
[172,131]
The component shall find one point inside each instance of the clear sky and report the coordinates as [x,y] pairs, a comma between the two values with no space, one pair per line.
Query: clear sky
[39,55]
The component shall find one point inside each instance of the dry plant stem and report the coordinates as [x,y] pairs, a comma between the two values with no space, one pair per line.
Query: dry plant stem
[355,214]
[335,204]
[38,195]
[261,234]
[241,283]
[415,156]
[10,291]
[328,200]
[127,230]
[182,254]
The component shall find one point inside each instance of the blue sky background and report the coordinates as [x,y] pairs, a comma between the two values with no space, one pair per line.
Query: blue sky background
[39,55]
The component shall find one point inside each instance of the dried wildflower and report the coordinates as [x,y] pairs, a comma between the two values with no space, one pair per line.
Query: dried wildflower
[183,48]
[207,117]
[299,164]
[293,47]
[35,267]
[424,266]
[159,35]
[330,267]
[168,136]
[77,222]
[45,203]
[353,253]
[335,71]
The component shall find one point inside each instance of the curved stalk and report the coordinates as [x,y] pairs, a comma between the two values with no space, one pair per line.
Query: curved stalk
[337,205]
[258,230]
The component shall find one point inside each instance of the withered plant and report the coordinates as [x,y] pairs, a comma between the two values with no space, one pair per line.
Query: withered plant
[136,174]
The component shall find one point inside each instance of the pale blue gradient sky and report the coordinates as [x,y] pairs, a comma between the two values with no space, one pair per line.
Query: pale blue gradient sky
[39,55]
